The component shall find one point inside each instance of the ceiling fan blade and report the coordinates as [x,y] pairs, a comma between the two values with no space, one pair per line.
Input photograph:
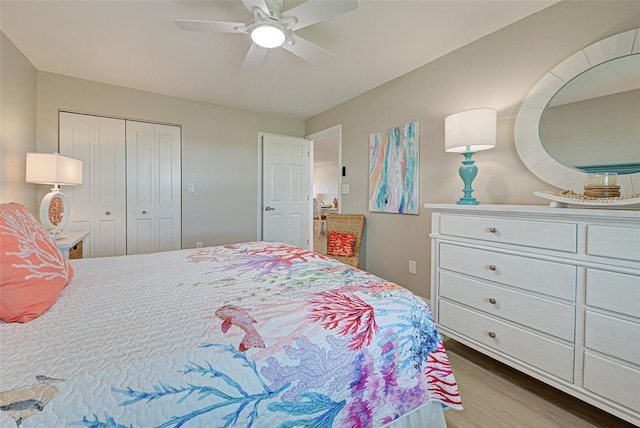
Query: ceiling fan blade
[250,4]
[254,57]
[313,11]
[308,51]
[208,26]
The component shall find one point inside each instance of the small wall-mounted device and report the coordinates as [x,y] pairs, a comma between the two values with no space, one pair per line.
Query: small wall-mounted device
[344,171]
[412,267]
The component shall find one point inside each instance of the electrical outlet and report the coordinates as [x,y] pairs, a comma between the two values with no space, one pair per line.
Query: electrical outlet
[198,244]
[412,267]
[191,187]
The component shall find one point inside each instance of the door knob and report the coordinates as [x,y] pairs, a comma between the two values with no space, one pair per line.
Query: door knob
[144,211]
[107,212]
[267,208]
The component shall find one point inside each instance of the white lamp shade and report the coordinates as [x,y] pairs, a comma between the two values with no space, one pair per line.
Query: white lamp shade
[52,168]
[470,130]
[268,36]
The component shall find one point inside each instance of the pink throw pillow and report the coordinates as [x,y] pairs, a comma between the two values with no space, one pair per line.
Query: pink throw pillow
[33,271]
[340,244]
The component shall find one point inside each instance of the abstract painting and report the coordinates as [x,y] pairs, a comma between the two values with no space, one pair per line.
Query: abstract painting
[393,170]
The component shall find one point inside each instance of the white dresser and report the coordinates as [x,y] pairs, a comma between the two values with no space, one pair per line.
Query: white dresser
[553,292]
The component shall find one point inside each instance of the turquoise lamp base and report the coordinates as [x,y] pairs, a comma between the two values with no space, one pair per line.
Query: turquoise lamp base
[468,171]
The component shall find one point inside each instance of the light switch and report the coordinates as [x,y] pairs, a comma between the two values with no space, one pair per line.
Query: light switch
[191,187]
[345,188]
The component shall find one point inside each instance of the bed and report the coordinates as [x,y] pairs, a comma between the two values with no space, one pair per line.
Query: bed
[257,334]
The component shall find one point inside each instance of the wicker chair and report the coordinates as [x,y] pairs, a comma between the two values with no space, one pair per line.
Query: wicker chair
[347,223]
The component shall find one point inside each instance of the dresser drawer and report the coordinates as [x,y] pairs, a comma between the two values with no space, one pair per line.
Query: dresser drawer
[613,336]
[552,236]
[612,380]
[614,291]
[550,317]
[553,279]
[541,352]
[616,242]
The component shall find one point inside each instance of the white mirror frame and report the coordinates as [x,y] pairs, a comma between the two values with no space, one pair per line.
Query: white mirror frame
[527,126]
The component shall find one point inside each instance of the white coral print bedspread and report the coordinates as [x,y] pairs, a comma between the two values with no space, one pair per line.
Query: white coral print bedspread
[249,335]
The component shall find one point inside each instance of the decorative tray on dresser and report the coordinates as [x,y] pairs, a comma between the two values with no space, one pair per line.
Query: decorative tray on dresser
[552,292]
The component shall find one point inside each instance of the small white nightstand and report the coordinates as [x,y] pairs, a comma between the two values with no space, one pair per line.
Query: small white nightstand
[71,246]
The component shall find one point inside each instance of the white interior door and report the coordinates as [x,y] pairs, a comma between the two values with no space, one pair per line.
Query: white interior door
[286,190]
[153,188]
[98,204]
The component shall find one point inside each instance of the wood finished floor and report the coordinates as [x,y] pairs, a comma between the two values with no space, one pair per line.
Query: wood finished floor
[319,242]
[496,396]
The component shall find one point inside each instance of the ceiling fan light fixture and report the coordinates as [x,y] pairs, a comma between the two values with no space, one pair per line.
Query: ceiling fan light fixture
[268,36]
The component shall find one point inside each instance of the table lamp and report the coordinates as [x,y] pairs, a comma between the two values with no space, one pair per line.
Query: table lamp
[466,133]
[53,168]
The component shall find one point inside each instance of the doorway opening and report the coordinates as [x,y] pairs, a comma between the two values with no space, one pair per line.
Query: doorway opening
[327,180]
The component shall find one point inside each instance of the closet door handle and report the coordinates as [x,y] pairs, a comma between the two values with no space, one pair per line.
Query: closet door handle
[493,229]
[144,211]
[493,268]
[492,301]
[107,213]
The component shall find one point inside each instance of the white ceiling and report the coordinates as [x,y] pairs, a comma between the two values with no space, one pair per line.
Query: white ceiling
[136,44]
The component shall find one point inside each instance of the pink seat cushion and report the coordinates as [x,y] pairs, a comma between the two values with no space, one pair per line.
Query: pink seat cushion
[33,270]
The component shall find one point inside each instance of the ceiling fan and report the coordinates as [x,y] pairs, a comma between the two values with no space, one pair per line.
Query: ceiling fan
[272,28]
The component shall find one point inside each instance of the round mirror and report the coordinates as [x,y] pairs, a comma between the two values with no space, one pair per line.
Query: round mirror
[583,117]
[593,122]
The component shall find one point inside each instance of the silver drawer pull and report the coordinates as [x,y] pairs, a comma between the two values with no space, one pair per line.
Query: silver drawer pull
[493,267]
[492,335]
[492,301]
[107,212]
[493,229]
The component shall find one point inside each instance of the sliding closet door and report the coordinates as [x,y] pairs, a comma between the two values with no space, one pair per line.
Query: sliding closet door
[153,188]
[98,204]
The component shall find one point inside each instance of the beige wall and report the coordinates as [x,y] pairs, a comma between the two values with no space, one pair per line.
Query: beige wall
[18,124]
[219,149]
[497,71]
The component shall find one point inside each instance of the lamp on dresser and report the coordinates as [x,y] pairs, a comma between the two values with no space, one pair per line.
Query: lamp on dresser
[55,169]
[467,132]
